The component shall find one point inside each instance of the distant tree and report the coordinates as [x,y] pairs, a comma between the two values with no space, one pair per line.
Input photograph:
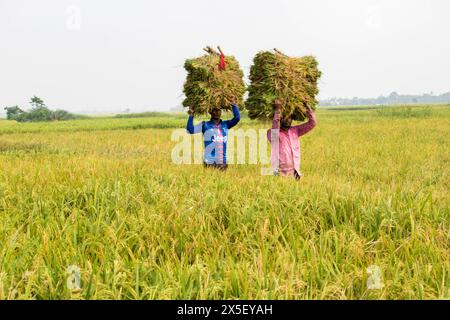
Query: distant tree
[38,113]
[393,96]
[13,112]
[62,115]
[37,102]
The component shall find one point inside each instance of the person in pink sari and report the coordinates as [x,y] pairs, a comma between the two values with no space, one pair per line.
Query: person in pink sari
[286,153]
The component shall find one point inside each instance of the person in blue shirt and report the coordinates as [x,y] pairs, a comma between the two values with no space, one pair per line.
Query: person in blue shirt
[215,134]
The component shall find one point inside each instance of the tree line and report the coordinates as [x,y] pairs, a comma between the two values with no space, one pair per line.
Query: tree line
[393,98]
[38,113]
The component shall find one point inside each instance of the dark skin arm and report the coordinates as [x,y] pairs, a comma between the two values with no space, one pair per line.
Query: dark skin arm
[277,105]
[304,128]
[234,100]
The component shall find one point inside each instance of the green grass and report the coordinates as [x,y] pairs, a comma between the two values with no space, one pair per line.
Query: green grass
[92,124]
[146,120]
[100,195]
[152,114]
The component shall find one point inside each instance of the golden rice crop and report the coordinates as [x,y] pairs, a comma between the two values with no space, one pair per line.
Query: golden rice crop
[110,201]
[207,87]
[293,80]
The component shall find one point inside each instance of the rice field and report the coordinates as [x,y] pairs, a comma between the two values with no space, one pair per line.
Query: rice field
[104,196]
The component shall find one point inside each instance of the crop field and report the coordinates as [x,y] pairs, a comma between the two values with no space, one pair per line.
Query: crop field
[104,195]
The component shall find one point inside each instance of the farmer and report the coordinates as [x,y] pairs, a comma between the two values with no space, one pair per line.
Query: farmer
[215,132]
[287,161]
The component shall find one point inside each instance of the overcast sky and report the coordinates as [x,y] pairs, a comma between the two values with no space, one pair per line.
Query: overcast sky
[109,55]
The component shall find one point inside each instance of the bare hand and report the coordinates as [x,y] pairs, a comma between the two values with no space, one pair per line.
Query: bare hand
[277,104]
[191,111]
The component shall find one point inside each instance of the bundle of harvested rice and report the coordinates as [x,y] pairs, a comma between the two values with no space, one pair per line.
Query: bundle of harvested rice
[213,81]
[292,80]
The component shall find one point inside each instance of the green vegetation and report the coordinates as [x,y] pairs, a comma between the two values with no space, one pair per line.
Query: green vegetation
[38,113]
[392,98]
[152,114]
[208,87]
[293,80]
[99,195]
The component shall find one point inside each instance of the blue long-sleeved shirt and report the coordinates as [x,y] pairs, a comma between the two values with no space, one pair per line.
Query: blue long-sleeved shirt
[215,136]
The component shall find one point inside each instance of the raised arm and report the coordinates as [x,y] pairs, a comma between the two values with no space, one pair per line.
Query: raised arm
[304,128]
[190,123]
[276,119]
[236,117]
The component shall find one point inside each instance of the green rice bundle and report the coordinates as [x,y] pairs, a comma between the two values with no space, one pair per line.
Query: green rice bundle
[207,87]
[292,80]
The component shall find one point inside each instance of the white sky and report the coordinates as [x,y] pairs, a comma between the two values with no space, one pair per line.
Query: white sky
[108,55]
